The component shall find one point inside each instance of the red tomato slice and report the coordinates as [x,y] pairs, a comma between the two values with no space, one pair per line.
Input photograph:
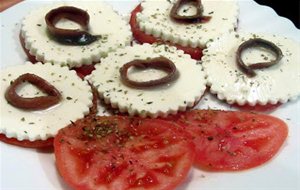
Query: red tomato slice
[228,140]
[84,70]
[26,143]
[140,36]
[123,153]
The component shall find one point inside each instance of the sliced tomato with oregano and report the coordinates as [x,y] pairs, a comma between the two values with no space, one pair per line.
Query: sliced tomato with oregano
[226,140]
[140,36]
[26,143]
[123,153]
[81,71]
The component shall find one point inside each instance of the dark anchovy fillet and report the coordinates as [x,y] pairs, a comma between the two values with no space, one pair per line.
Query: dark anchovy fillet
[69,36]
[36,103]
[257,42]
[160,63]
[196,18]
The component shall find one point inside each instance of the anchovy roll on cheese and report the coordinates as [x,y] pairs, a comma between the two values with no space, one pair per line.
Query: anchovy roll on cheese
[74,33]
[252,69]
[39,99]
[187,24]
[149,80]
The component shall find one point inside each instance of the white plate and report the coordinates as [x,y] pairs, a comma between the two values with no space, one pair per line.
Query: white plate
[30,169]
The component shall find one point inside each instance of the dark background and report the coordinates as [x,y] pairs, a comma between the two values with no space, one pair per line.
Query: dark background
[286,8]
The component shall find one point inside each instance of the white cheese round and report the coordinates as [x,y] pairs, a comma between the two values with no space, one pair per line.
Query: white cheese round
[42,124]
[104,21]
[278,83]
[155,20]
[155,101]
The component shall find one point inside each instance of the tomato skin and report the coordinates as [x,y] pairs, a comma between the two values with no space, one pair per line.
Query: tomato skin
[26,143]
[137,154]
[137,33]
[140,36]
[231,141]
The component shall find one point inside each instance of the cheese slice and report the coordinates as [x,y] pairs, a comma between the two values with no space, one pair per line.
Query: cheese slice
[114,32]
[155,101]
[43,124]
[276,84]
[155,20]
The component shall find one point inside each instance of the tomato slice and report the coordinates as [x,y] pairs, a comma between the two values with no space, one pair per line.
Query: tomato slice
[84,70]
[123,153]
[26,143]
[229,141]
[140,36]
